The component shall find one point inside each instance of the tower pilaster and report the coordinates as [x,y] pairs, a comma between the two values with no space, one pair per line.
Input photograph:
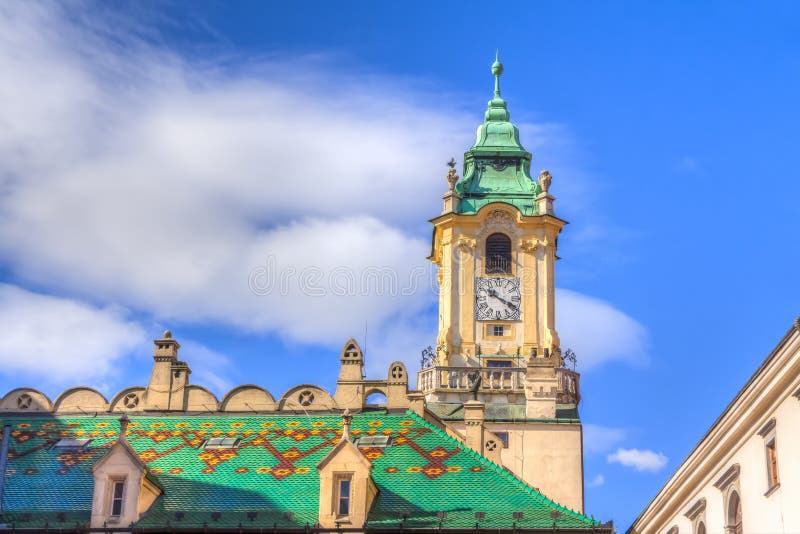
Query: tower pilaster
[541,388]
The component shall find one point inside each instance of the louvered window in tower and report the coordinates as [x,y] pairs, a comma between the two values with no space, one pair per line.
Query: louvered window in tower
[498,254]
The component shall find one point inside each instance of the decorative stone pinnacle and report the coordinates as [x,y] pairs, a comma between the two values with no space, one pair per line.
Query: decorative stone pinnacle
[545,179]
[123,427]
[167,334]
[452,175]
[347,417]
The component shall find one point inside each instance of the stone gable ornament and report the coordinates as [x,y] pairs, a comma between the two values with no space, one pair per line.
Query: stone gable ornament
[500,218]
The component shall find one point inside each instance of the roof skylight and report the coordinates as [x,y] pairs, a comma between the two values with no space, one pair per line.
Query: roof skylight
[72,444]
[373,442]
[221,443]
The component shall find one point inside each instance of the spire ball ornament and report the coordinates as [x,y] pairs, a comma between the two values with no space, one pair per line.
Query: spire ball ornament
[497,67]
[497,111]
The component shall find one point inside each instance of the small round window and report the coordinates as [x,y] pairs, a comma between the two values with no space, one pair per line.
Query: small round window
[131,401]
[24,401]
[306,398]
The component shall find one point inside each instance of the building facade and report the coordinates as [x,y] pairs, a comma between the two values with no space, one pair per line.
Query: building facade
[498,353]
[744,474]
[491,438]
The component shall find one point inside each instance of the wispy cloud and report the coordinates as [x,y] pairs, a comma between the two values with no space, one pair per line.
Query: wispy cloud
[600,439]
[642,460]
[162,183]
[62,341]
[209,368]
[596,482]
[598,332]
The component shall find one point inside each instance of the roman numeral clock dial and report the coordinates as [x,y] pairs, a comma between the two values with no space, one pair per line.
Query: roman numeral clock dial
[497,298]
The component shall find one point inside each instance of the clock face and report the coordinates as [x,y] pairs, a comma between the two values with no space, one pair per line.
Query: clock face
[497,298]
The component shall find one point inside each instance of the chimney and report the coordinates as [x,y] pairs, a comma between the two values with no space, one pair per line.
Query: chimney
[167,388]
[123,428]
[541,388]
[347,417]
[474,412]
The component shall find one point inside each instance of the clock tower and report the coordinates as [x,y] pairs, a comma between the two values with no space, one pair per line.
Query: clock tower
[498,356]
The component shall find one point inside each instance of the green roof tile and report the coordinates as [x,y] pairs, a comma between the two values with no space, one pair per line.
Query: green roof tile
[272,473]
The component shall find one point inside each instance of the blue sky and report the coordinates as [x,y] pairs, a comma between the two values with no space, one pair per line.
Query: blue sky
[152,159]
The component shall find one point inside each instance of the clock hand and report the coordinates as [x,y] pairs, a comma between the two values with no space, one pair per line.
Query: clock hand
[507,303]
[493,293]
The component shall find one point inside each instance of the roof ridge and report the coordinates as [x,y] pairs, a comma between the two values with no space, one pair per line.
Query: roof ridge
[502,471]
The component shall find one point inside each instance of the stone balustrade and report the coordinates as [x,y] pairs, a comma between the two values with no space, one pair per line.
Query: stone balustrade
[493,379]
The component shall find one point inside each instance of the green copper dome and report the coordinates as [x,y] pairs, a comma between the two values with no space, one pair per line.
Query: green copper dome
[497,167]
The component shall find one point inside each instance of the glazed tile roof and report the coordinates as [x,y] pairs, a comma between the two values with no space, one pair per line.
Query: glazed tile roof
[272,473]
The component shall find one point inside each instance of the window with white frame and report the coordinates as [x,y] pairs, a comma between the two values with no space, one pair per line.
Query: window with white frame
[343,489]
[117,497]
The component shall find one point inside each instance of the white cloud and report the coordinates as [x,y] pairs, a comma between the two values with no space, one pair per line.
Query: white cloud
[596,482]
[642,460]
[164,185]
[597,331]
[403,341]
[599,439]
[210,369]
[72,341]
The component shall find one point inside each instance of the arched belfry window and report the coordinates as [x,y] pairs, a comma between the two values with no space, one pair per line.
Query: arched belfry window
[498,254]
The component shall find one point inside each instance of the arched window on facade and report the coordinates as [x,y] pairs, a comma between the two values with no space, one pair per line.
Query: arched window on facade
[498,254]
[701,528]
[734,515]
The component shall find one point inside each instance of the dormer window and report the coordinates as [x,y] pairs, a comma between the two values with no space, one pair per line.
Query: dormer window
[498,254]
